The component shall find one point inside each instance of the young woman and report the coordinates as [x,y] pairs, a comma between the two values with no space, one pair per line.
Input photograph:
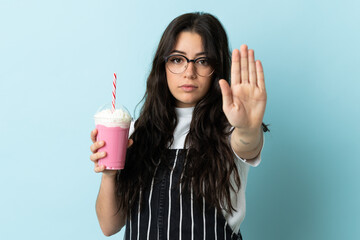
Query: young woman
[191,147]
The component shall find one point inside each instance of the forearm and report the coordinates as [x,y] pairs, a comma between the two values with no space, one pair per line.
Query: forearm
[247,143]
[110,220]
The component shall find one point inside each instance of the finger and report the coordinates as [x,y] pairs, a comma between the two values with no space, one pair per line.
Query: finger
[99,168]
[252,68]
[244,64]
[94,147]
[235,67]
[226,94]
[96,156]
[130,142]
[93,135]
[260,75]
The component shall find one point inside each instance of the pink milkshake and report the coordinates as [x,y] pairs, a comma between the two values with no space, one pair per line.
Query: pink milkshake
[113,129]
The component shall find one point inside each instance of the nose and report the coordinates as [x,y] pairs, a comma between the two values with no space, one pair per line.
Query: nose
[190,71]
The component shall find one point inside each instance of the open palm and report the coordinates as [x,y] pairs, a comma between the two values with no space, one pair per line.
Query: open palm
[244,101]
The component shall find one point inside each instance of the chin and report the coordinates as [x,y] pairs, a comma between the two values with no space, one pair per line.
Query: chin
[187,101]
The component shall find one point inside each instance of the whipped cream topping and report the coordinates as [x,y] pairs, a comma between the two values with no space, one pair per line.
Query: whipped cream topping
[118,118]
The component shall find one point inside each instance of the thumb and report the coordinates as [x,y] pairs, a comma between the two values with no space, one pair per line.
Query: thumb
[226,93]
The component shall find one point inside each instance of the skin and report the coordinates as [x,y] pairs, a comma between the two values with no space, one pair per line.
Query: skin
[106,202]
[190,45]
[244,105]
[244,102]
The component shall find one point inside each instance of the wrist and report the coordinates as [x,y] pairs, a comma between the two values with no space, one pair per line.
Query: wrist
[245,140]
[248,133]
[109,175]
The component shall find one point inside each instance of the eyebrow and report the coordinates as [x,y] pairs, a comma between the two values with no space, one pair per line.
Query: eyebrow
[184,53]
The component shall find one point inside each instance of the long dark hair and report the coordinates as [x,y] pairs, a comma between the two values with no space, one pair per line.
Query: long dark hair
[210,160]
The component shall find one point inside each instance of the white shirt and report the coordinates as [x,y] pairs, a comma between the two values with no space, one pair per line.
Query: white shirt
[238,200]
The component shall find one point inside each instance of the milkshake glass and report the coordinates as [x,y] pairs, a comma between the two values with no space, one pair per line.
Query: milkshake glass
[113,129]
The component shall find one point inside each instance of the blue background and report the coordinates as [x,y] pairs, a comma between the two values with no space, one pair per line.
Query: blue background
[56,64]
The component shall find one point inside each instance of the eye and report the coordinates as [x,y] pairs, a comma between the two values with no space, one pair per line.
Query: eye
[203,62]
[176,59]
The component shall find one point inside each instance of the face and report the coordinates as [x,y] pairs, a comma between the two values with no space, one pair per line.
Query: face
[188,88]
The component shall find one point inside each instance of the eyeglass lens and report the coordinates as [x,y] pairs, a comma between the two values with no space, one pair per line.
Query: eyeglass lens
[178,64]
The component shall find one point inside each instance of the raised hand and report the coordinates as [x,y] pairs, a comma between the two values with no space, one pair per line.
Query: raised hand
[244,101]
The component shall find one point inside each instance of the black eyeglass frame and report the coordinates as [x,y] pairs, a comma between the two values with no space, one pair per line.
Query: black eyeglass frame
[191,60]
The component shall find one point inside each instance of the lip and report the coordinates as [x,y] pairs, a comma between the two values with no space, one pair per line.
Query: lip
[188,87]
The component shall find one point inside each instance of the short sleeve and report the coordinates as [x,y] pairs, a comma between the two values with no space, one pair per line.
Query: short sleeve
[254,162]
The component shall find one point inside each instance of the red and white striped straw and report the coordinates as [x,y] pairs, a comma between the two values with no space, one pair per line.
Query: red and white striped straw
[114,93]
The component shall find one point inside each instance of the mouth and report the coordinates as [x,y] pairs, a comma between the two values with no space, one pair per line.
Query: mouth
[188,87]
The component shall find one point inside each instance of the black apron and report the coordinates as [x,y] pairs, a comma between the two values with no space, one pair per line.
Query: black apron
[166,214]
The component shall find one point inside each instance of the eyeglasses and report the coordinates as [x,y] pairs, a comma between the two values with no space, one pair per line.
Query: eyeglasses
[178,64]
